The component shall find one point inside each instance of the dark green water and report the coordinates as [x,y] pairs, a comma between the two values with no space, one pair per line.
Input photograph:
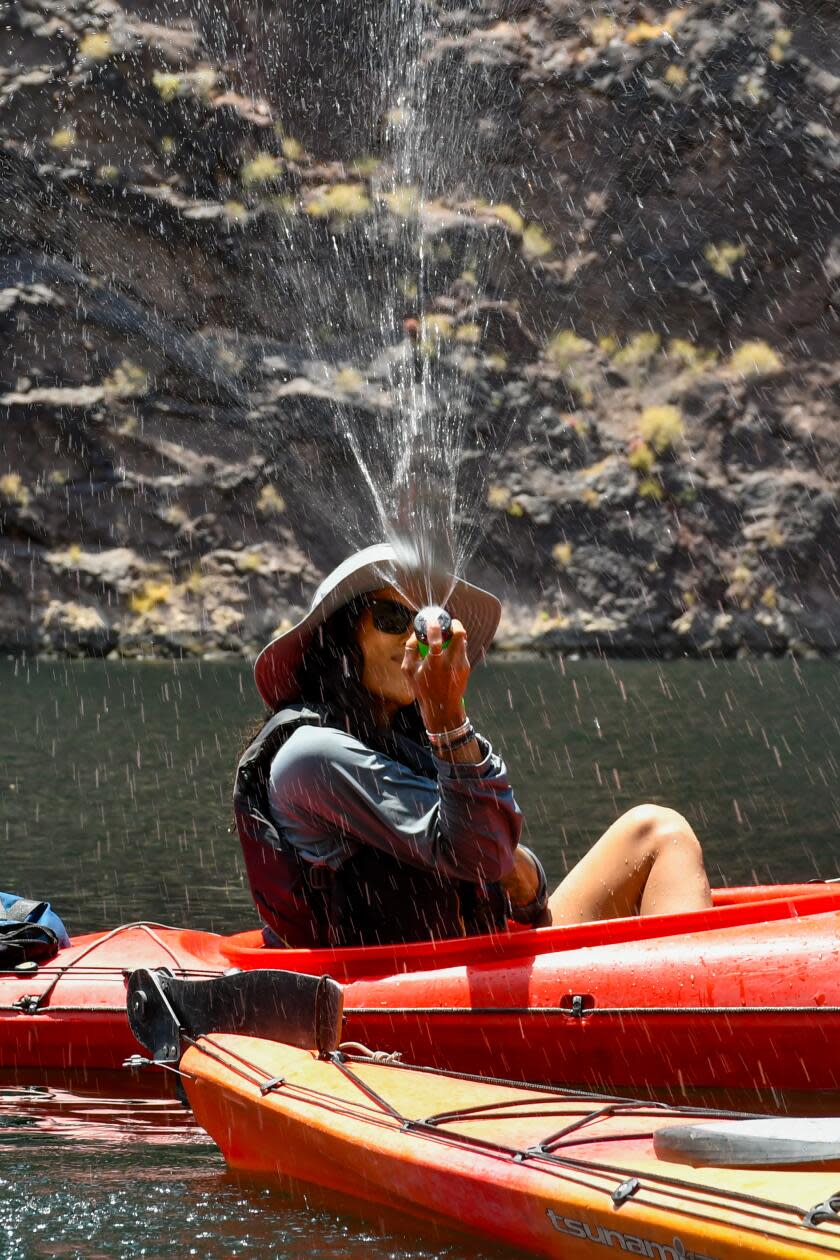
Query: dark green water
[114,790]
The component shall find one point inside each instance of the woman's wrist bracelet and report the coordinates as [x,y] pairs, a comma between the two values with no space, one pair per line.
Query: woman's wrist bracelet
[448,741]
[445,737]
[455,744]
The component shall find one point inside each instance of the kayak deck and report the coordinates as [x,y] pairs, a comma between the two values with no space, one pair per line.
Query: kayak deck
[541,1169]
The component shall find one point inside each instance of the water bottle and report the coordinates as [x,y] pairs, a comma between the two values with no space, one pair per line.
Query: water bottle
[426,617]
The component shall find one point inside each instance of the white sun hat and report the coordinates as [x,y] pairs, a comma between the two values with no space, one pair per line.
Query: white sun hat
[277,665]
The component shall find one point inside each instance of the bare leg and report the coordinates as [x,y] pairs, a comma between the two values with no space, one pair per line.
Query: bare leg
[648,862]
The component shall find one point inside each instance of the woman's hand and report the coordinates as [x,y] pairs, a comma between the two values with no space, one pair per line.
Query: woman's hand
[439,679]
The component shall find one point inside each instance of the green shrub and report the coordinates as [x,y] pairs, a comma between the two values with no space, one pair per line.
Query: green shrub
[662,427]
[565,347]
[723,257]
[262,168]
[754,358]
[638,351]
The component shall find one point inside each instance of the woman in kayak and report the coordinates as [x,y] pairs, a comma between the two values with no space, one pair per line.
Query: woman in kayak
[369,808]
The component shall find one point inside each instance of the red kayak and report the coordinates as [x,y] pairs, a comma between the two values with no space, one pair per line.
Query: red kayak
[743,996]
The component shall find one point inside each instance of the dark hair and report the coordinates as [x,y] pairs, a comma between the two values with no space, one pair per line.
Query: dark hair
[330,678]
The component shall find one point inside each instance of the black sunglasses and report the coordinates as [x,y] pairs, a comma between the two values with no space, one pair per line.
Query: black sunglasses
[388,616]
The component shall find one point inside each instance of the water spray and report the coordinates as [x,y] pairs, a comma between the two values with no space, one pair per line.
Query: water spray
[426,617]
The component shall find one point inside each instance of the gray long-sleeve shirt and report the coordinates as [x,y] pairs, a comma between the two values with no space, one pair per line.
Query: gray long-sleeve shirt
[330,794]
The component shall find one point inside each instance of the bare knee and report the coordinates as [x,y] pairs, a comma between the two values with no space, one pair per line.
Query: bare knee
[651,828]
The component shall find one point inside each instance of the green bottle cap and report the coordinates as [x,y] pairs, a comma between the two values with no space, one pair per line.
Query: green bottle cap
[423,648]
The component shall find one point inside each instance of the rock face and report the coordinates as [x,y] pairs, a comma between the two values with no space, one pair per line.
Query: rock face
[633,289]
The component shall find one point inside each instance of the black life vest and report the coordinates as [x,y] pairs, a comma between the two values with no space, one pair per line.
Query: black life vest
[373,899]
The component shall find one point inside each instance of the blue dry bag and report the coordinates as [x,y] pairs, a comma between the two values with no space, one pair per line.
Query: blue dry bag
[17,910]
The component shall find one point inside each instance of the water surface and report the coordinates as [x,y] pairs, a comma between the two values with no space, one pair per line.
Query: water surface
[115,779]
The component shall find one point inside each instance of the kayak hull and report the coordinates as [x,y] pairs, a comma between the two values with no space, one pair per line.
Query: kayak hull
[723,1011]
[745,996]
[69,1016]
[454,1151]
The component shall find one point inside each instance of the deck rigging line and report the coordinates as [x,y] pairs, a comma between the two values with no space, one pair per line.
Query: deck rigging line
[33,1003]
[589,1011]
[431,1126]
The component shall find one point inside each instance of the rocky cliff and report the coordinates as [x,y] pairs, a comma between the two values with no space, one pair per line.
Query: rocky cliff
[196,234]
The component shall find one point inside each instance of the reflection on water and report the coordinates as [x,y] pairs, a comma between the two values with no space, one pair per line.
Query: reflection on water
[93,1176]
[48,1112]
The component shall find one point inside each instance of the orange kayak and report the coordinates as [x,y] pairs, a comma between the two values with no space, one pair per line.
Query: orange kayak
[546,1171]
[742,996]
